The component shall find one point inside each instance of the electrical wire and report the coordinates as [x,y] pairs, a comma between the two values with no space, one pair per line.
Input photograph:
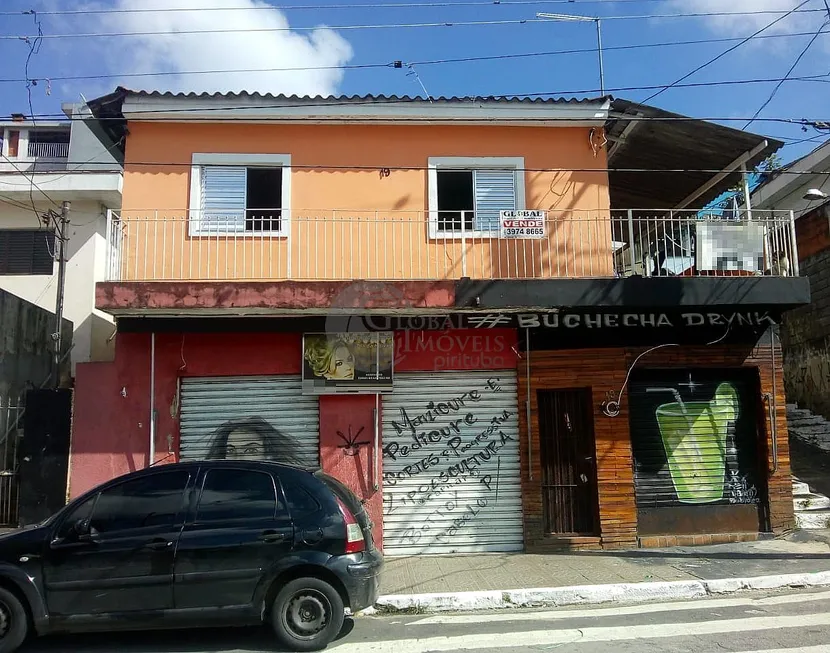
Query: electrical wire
[14,203]
[374,5]
[421,168]
[796,9]
[789,72]
[83,164]
[31,181]
[370,26]
[428,62]
[34,48]
[358,101]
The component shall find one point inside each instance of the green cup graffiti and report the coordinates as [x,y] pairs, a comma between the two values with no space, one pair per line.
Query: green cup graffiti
[694,437]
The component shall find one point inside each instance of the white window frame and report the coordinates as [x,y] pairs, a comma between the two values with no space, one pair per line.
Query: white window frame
[200,159]
[435,163]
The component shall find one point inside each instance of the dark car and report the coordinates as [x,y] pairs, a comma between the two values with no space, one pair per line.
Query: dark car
[195,544]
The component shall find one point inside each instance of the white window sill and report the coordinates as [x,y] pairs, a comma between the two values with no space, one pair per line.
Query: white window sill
[238,235]
[467,235]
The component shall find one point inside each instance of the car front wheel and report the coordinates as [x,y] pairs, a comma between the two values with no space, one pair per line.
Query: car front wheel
[307,614]
[14,624]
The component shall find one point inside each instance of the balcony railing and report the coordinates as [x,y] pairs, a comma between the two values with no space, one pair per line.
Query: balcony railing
[399,245]
[48,150]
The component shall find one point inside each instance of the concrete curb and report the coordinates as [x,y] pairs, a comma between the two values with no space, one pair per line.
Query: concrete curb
[589,594]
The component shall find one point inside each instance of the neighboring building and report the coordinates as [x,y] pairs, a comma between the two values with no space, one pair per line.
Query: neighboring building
[335,282]
[805,334]
[27,363]
[43,165]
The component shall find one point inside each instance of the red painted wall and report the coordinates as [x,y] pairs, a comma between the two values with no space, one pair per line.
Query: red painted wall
[112,400]
[109,433]
[352,417]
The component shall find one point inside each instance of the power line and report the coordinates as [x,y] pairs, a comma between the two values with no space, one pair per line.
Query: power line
[31,181]
[403,120]
[412,25]
[728,50]
[34,48]
[789,72]
[427,62]
[18,205]
[374,5]
[423,168]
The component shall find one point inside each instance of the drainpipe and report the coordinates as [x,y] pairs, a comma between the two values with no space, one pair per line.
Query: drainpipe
[527,407]
[773,406]
[152,454]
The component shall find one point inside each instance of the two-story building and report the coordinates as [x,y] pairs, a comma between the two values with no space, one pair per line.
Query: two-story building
[43,165]
[500,321]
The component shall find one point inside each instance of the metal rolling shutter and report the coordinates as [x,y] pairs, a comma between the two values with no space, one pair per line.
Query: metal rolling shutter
[434,501]
[209,405]
[698,454]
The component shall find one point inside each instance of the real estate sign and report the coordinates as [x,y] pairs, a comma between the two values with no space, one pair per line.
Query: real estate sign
[522,225]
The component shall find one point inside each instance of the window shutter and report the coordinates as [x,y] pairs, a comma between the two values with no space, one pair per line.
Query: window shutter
[495,191]
[27,251]
[223,199]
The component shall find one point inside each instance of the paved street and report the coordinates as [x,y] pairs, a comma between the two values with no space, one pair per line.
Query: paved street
[780,622]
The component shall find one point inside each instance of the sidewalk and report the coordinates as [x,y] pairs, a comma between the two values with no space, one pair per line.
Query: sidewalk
[663,573]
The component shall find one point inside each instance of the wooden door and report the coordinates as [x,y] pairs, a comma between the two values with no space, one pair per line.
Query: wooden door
[568,456]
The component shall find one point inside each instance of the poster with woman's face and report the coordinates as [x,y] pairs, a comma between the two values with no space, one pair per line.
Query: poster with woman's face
[347,360]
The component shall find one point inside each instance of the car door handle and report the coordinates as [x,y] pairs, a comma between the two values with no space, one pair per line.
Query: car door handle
[158,544]
[272,536]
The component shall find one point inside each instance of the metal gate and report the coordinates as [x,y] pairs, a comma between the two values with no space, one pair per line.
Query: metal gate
[451,475]
[249,417]
[694,435]
[11,431]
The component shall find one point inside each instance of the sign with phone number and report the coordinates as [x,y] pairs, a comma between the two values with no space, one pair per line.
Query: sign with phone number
[522,224]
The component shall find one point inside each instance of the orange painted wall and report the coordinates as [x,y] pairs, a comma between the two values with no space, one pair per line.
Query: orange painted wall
[334,210]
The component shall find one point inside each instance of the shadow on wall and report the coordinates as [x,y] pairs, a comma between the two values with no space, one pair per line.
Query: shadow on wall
[94,341]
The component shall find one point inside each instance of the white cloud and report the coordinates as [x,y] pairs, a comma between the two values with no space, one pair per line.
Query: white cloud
[246,49]
[749,22]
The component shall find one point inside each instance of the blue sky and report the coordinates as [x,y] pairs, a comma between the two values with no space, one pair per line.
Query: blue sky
[327,48]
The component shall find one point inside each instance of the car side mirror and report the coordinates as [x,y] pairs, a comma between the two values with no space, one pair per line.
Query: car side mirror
[81,528]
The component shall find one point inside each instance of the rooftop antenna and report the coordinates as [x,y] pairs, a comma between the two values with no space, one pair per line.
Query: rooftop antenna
[413,73]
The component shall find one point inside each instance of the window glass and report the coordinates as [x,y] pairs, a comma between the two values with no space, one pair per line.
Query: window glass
[300,502]
[141,503]
[455,198]
[263,199]
[237,494]
[81,511]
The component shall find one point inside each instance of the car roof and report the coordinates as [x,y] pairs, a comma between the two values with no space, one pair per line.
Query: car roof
[262,465]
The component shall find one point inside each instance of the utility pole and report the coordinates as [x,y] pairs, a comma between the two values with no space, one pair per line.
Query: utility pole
[60,252]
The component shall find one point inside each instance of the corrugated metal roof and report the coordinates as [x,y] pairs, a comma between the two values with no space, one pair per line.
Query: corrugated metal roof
[339,99]
[673,142]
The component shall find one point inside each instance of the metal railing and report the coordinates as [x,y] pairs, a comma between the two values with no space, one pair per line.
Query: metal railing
[11,430]
[410,245]
[48,150]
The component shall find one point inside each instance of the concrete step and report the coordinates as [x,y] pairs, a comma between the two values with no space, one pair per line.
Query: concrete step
[823,429]
[816,441]
[808,502]
[808,422]
[813,519]
[800,488]
[798,413]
